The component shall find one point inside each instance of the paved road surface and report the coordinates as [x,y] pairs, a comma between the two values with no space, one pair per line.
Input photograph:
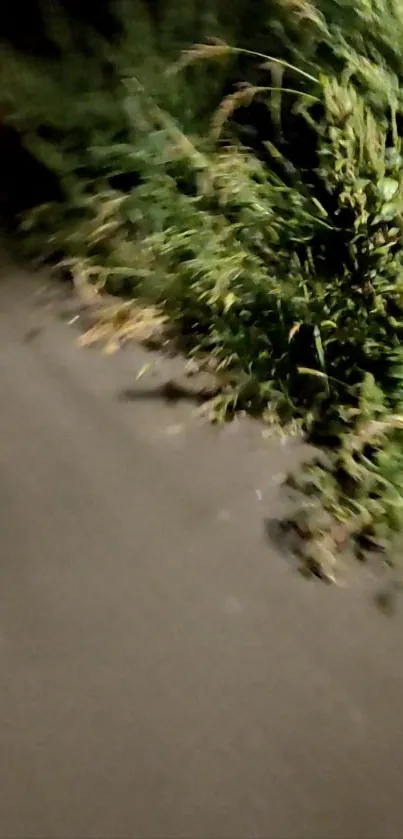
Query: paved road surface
[164,674]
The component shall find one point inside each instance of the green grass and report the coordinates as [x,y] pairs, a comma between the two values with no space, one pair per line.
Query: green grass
[282,264]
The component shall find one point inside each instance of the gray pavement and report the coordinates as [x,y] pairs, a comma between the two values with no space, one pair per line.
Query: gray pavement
[165,673]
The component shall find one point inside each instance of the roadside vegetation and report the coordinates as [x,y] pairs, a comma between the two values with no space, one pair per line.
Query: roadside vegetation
[238,167]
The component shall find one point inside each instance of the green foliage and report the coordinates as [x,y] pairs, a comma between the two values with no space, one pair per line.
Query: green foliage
[285,267]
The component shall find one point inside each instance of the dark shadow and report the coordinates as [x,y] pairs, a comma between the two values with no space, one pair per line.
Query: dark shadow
[387,599]
[32,334]
[283,536]
[25,182]
[170,392]
[288,546]
[274,531]
[159,344]
[278,534]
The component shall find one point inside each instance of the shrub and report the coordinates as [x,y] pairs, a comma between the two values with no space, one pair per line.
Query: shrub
[284,265]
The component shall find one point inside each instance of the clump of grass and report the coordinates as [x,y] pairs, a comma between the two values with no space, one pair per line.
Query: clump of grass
[284,268]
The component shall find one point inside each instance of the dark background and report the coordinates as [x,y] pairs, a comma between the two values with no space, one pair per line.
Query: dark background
[22,21]
[24,182]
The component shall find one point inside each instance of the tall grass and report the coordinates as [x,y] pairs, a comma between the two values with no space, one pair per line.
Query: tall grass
[284,264]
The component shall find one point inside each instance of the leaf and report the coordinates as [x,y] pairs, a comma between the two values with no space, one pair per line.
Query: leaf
[319,347]
[320,207]
[387,188]
[387,212]
[307,371]
[229,300]
[293,331]
[112,346]
[143,370]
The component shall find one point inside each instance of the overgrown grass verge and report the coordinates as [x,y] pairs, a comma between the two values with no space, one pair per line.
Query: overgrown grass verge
[283,264]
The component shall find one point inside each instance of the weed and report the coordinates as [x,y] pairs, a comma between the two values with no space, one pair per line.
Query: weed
[284,265]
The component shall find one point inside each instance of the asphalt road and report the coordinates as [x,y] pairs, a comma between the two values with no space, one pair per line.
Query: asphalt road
[165,673]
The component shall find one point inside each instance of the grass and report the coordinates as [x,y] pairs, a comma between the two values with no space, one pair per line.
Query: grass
[271,244]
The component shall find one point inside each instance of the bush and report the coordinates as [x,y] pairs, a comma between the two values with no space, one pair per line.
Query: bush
[283,263]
